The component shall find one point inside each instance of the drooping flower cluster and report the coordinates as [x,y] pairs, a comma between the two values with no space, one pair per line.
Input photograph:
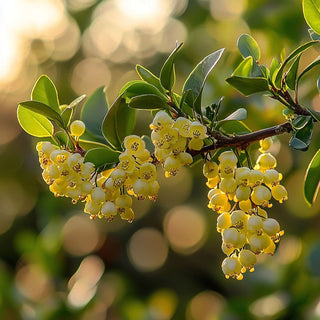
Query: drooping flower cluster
[171,139]
[134,175]
[240,196]
[66,173]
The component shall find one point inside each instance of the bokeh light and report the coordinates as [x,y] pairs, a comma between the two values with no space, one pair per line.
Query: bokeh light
[185,229]
[147,250]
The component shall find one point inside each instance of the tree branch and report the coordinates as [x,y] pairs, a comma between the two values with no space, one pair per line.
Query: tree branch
[243,141]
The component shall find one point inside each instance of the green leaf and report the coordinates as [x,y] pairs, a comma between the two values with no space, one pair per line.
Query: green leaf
[66,115]
[90,144]
[118,123]
[248,47]
[300,121]
[234,127]
[77,101]
[167,73]
[138,87]
[147,101]
[148,76]
[311,12]
[293,54]
[302,137]
[62,139]
[314,114]
[149,144]
[197,78]
[238,115]
[45,91]
[248,86]
[308,68]
[312,179]
[94,110]
[313,35]
[34,123]
[292,73]
[101,156]
[44,110]
[244,68]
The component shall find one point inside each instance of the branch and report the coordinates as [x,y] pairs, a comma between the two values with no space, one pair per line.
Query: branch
[243,141]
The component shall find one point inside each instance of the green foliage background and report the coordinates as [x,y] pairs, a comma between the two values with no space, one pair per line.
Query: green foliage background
[44,241]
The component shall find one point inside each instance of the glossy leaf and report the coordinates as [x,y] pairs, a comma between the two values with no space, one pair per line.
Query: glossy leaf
[298,144]
[197,78]
[139,87]
[302,137]
[248,86]
[308,68]
[101,156]
[248,47]
[148,76]
[94,110]
[45,91]
[244,68]
[296,52]
[311,12]
[315,114]
[147,101]
[34,123]
[300,121]
[167,73]
[239,114]
[312,179]
[44,110]
[234,127]
[118,123]
[66,115]
[292,73]
[77,101]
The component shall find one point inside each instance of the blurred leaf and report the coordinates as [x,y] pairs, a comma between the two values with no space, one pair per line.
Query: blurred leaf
[291,75]
[89,144]
[44,110]
[66,115]
[312,179]
[148,76]
[248,86]
[101,156]
[308,68]
[314,114]
[94,110]
[77,101]
[300,121]
[248,47]
[244,68]
[45,91]
[147,101]
[118,123]
[34,123]
[234,127]
[311,12]
[197,78]
[238,115]
[318,84]
[167,73]
[297,144]
[293,54]
[138,87]
[149,144]
[63,139]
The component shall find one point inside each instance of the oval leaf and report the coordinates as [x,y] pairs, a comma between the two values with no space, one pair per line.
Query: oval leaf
[291,75]
[248,47]
[238,115]
[248,86]
[44,110]
[45,91]
[311,12]
[148,76]
[244,68]
[118,123]
[101,156]
[138,87]
[312,179]
[66,115]
[147,101]
[94,110]
[76,101]
[34,123]
[167,73]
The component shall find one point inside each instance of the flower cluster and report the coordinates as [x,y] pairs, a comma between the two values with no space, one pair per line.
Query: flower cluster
[66,173]
[134,175]
[171,139]
[246,231]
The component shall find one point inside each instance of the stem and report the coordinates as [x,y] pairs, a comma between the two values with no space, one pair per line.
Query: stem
[243,141]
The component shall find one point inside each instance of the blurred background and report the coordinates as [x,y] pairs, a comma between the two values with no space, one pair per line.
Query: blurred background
[57,264]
